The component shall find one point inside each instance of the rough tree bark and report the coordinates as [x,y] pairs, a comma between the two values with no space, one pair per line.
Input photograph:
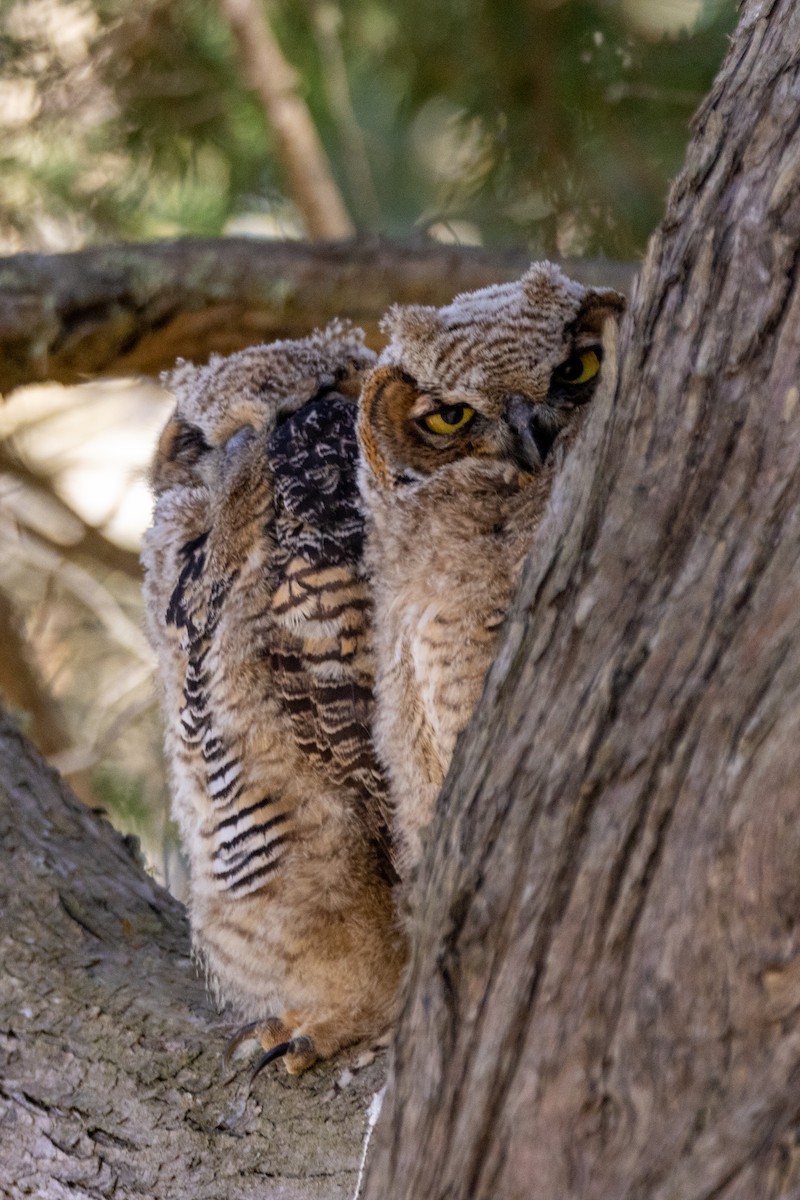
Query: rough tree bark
[110,1069]
[117,310]
[605,993]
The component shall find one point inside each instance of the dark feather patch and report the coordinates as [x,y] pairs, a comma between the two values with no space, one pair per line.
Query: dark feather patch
[313,457]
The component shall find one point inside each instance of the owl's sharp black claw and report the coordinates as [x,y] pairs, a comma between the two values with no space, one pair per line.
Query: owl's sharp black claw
[276,1052]
[301,1046]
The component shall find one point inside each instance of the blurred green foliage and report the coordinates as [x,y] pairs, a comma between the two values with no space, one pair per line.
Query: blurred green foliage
[125,794]
[554,123]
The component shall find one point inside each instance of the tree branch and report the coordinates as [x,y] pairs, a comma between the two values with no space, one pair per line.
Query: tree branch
[110,1072]
[92,543]
[116,310]
[326,19]
[21,688]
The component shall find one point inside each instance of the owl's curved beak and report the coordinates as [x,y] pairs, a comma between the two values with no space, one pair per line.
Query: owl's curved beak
[533,429]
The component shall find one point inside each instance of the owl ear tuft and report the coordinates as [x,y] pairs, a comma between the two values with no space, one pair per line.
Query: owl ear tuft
[410,321]
[598,305]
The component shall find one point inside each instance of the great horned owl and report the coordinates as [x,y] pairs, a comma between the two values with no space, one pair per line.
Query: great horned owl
[259,612]
[461,427]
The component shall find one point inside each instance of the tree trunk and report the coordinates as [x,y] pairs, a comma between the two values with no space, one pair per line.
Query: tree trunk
[110,1054]
[605,990]
[117,310]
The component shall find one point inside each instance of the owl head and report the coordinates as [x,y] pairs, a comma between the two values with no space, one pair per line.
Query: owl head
[232,397]
[495,375]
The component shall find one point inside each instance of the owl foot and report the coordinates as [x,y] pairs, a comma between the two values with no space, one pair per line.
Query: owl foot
[276,1039]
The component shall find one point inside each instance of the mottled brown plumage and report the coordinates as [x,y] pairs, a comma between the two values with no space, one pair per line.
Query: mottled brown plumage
[269,620]
[259,611]
[462,426]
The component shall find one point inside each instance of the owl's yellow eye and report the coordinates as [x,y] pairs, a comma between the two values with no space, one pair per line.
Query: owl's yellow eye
[579,368]
[449,420]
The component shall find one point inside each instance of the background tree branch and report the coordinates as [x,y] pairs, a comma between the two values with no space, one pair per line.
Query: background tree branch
[92,542]
[116,310]
[311,182]
[326,21]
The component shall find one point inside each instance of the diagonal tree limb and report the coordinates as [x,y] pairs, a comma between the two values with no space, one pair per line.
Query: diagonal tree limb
[301,153]
[110,1051]
[92,543]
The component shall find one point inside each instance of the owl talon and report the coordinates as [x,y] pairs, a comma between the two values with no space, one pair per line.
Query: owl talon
[276,1052]
[300,1050]
[275,1038]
